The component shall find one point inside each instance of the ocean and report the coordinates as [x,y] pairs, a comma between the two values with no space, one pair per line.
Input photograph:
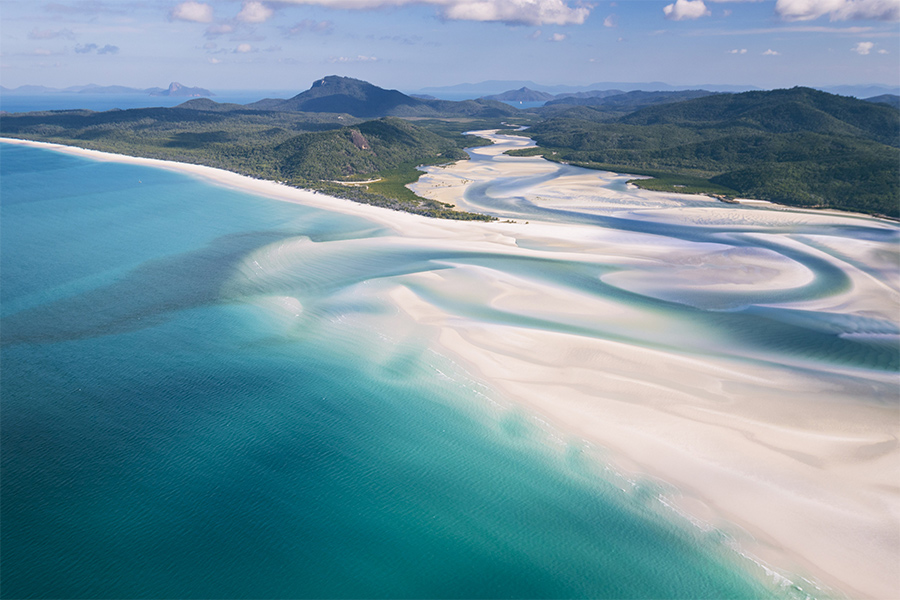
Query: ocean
[187,414]
[15,103]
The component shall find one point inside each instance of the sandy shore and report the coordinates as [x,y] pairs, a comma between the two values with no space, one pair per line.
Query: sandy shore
[801,465]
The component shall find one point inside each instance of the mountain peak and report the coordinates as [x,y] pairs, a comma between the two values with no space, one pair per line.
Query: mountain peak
[335,94]
[177,89]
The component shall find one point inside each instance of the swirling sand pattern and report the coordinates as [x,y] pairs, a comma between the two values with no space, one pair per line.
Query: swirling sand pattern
[747,355]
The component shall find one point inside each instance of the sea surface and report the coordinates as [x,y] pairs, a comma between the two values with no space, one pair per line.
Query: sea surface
[187,415]
[14,103]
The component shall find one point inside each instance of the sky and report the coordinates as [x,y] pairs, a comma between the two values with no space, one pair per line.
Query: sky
[414,44]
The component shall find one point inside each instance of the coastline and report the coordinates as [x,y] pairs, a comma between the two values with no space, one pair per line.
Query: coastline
[813,483]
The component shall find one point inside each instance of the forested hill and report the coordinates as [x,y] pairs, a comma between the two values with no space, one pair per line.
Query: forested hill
[627,101]
[779,111]
[308,150]
[335,94]
[344,95]
[799,147]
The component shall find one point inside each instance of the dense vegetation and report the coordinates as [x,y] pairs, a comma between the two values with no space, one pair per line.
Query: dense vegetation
[799,147]
[628,101]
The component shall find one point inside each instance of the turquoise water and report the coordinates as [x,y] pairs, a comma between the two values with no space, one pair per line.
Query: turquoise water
[166,433]
[99,102]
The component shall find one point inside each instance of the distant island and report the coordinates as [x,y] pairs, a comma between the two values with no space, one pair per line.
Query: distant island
[799,147]
[174,89]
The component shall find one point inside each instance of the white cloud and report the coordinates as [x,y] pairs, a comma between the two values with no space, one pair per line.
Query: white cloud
[557,37]
[770,52]
[511,12]
[255,12]
[736,51]
[838,10]
[882,51]
[863,48]
[686,9]
[214,61]
[611,21]
[243,48]
[197,12]
[536,34]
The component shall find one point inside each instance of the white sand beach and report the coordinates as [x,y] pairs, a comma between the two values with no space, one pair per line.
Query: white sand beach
[799,462]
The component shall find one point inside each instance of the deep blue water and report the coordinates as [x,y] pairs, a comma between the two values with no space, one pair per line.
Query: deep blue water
[166,435]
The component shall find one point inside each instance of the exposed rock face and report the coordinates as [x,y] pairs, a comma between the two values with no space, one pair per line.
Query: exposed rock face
[358,140]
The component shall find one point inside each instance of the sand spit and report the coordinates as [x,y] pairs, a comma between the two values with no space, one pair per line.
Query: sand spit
[799,461]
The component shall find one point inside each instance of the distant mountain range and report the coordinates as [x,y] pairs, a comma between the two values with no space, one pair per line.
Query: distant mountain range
[614,100]
[174,89]
[334,94]
[523,94]
[498,87]
[628,101]
[494,88]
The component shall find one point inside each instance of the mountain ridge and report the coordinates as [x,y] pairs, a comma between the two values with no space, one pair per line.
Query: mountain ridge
[174,89]
[798,146]
[336,94]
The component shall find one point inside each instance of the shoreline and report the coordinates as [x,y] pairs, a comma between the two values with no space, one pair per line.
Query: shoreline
[813,484]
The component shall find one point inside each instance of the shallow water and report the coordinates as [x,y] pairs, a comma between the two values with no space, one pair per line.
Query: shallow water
[760,322]
[210,394]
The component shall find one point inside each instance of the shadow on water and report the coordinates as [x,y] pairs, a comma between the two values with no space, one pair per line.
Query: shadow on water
[153,292]
[144,298]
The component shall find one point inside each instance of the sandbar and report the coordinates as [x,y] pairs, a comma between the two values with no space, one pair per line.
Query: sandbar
[799,463]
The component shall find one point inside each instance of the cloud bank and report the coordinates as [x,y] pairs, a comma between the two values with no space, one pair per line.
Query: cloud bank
[838,10]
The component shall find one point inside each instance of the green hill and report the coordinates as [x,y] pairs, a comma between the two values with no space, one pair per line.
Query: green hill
[309,150]
[800,147]
[889,99]
[335,94]
[778,111]
[345,95]
[371,147]
[628,101]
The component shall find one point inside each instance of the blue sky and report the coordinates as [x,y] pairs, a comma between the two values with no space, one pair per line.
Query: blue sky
[408,45]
